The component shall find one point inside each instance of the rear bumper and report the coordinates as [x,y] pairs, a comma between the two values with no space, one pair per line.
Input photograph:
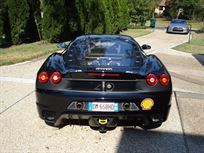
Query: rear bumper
[55,107]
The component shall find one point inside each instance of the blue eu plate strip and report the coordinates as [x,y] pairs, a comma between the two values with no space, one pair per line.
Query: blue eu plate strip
[115,107]
[89,106]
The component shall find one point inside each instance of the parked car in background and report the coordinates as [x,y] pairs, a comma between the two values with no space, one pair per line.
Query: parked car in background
[104,81]
[178,26]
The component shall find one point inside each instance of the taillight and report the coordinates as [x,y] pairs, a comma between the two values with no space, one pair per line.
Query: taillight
[164,79]
[43,77]
[55,77]
[152,79]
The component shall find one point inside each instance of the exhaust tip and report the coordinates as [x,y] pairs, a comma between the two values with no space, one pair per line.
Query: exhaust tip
[79,105]
[126,106]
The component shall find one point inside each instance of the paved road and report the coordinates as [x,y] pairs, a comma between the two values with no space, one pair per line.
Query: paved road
[22,131]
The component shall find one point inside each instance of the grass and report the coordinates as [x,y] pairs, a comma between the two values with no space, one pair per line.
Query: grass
[23,52]
[196,46]
[163,22]
[137,32]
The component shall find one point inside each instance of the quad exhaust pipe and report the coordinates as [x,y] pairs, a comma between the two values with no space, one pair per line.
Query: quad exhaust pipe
[126,106]
[79,105]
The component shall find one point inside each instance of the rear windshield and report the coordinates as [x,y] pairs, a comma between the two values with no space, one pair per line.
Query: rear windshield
[99,51]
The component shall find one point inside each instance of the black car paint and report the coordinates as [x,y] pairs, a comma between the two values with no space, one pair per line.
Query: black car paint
[56,98]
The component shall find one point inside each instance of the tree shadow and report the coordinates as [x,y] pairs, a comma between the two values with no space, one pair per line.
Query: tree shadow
[140,141]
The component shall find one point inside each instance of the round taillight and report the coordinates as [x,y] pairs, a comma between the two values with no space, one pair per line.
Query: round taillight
[43,77]
[164,79]
[55,77]
[151,79]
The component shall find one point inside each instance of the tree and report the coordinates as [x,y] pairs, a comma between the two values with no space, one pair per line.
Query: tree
[141,10]
[124,19]
[2,14]
[200,11]
[54,20]
[35,27]
[102,16]
[60,20]
[191,8]
[108,15]
[5,35]
[94,17]
[18,17]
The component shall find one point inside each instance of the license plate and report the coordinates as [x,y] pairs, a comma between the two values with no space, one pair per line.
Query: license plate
[102,107]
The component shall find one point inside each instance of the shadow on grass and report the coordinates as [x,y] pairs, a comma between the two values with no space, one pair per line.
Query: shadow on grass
[139,141]
[199,58]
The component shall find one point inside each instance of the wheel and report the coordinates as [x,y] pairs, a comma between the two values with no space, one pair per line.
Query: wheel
[151,126]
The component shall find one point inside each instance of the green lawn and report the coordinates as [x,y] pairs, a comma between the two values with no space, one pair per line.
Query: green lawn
[137,32]
[163,22]
[23,52]
[196,46]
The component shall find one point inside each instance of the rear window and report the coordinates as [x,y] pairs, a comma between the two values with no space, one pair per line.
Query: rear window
[103,51]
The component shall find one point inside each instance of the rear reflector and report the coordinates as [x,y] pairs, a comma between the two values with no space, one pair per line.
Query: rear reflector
[164,79]
[43,77]
[55,77]
[104,74]
[151,79]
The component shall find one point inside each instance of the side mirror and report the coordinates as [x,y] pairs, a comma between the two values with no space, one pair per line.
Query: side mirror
[62,45]
[145,46]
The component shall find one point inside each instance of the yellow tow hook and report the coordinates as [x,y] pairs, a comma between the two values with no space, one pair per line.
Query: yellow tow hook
[103,121]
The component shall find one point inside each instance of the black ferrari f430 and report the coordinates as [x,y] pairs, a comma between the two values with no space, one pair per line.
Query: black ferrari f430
[103,81]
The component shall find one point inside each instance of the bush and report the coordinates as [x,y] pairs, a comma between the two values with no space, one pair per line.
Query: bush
[141,10]
[53,19]
[60,20]
[18,16]
[5,38]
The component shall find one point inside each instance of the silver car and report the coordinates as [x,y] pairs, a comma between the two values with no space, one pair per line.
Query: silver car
[178,26]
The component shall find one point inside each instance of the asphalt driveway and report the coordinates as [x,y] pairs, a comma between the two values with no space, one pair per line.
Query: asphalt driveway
[21,130]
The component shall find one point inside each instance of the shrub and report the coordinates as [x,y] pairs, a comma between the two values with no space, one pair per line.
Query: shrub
[18,16]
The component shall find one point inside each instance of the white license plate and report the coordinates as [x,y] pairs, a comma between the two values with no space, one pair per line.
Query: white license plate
[102,107]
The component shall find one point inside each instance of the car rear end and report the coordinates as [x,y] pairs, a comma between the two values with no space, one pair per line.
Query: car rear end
[104,97]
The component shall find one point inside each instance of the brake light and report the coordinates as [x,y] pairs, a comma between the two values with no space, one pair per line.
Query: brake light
[104,74]
[164,79]
[151,79]
[43,77]
[56,77]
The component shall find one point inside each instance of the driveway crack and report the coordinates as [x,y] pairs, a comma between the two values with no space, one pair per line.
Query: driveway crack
[182,125]
[16,102]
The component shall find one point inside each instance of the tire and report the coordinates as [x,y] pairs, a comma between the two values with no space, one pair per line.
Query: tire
[52,124]
[151,126]
[167,30]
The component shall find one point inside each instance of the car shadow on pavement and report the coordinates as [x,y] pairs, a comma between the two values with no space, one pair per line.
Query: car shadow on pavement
[140,141]
[199,58]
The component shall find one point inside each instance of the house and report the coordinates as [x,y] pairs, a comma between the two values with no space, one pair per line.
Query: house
[162,5]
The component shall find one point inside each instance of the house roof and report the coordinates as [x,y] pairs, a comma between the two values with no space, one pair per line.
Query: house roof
[162,3]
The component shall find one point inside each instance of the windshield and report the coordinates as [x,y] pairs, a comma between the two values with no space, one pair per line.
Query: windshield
[103,51]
